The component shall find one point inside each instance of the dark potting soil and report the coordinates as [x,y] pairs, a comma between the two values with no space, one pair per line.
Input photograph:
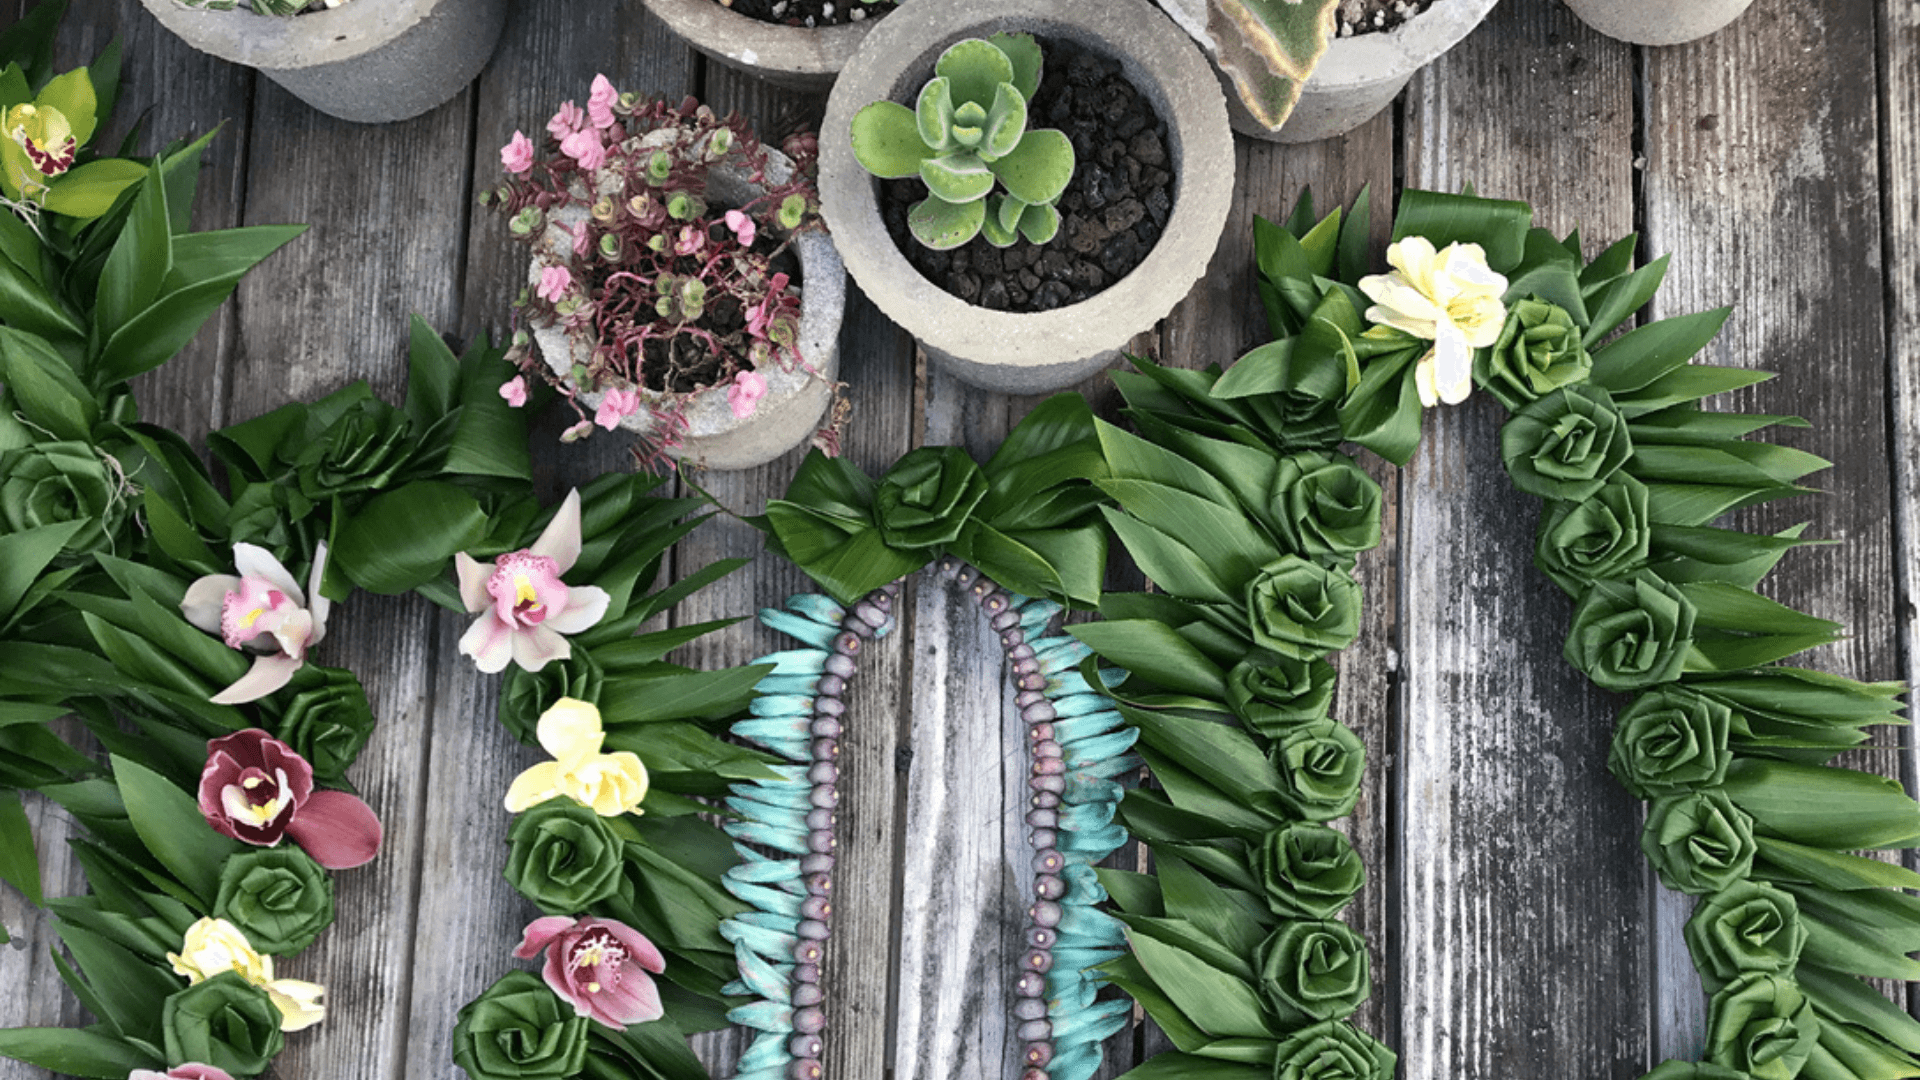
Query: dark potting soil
[683,363]
[1375,16]
[1111,214]
[810,13]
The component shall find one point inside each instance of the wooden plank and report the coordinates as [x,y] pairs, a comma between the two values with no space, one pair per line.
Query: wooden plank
[469,918]
[387,204]
[1522,891]
[1759,139]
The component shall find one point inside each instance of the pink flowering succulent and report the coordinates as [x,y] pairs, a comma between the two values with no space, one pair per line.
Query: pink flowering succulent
[261,611]
[600,966]
[524,607]
[256,790]
[678,297]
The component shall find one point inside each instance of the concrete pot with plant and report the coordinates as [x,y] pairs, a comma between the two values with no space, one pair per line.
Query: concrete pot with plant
[798,57]
[369,61]
[939,93]
[1658,22]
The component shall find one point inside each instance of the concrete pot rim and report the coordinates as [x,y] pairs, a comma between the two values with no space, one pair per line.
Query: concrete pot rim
[1658,24]
[1161,62]
[274,43]
[1368,59]
[794,51]
[710,420]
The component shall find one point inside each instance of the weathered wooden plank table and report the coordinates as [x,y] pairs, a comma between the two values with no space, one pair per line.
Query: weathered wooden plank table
[1518,931]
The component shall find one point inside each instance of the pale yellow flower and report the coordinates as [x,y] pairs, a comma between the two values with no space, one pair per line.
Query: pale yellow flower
[216,946]
[608,784]
[1450,297]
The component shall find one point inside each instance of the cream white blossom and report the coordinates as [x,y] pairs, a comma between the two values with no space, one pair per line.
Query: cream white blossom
[216,946]
[1450,297]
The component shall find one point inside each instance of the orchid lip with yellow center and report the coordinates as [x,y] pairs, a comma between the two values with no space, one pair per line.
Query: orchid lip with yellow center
[44,133]
[526,588]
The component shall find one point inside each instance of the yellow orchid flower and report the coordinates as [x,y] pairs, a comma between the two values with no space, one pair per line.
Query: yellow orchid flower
[608,784]
[1450,297]
[215,946]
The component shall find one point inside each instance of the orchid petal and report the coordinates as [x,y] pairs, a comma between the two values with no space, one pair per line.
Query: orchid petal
[560,540]
[570,731]
[318,605]
[473,581]
[339,830]
[642,950]
[538,933]
[206,599]
[536,647]
[635,1000]
[586,605]
[1423,382]
[1453,358]
[533,787]
[298,1002]
[490,642]
[257,562]
[268,673]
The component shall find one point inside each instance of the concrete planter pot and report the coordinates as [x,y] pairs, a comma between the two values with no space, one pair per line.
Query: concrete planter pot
[1358,77]
[791,56]
[795,400]
[370,61]
[1032,353]
[1657,22]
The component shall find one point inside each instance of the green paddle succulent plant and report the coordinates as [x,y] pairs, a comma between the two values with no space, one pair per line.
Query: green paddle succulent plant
[967,138]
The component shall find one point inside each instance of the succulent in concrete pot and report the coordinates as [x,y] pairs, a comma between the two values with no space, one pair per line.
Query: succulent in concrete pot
[786,53]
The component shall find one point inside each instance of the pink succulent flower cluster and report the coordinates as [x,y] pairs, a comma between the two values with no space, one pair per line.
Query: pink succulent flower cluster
[599,966]
[256,790]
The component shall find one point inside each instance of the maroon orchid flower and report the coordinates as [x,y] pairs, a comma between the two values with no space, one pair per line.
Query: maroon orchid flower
[600,966]
[257,790]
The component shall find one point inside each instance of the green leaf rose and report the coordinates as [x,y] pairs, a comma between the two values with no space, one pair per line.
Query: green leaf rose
[1746,927]
[525,695]
[1670,740]
[279,898]
[1538,351]
[326,721]
[52,483]
[1762,1025]
[923,501]
[1699,842]
[519,1030]
[1321,764]
[1301,610]
[563,857]
[1333,1050]
[360,451]
[1327,507]
[1314,970]
[1605,535]
[1274,697]
[224,1021]
[1566,444]
[1631,634]
[1310,871]
[1693,1070]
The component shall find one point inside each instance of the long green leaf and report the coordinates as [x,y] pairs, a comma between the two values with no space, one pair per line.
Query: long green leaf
[19,862]
[139,261]
[170,824]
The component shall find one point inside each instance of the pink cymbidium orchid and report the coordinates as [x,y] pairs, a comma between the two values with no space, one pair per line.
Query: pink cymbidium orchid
[523,605]
[261,611]
[600,966]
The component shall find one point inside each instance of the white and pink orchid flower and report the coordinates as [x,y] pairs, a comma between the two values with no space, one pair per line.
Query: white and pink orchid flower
[524,607]
[264,612]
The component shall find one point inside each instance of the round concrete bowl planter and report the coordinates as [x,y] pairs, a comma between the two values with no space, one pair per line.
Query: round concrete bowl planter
[791,56]
[1032,353]
[795,400]
[1657,22]
[370,61]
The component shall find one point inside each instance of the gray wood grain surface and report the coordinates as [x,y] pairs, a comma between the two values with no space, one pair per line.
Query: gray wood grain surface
[1516,931]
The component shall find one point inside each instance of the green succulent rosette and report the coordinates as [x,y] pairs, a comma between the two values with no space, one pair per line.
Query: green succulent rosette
[1699,842]
[1321,764]
[1631,634]
[1301,610]
[1670,740]
[1694,1070]
[1538,351]
[1744,928]
[279,898]
[563,857]
[1327,507]
[1606,535]
[1310,871]
[925,499]
[58,483]
[1762,1025]
[524,694]
[519,1030]
[1314,970]
[226,1022]
[327,721]
[1272,697]
[1566,444]
[361,450]
[1333,1050]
